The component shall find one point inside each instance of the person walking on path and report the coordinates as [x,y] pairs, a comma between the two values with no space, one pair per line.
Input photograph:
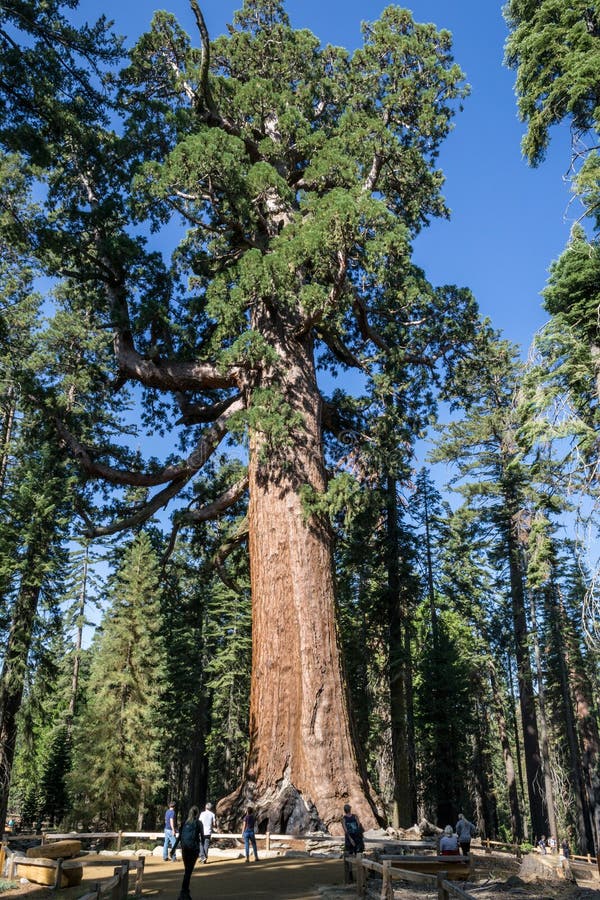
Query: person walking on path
[465,831]
[353,832]
[191,839]
[170,832]
[249,834]
[209,821]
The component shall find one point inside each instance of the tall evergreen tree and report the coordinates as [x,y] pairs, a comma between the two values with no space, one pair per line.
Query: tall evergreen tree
[282,158]
[486,451]
[118,740]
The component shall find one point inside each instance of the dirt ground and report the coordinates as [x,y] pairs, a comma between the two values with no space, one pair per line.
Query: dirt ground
[283,878]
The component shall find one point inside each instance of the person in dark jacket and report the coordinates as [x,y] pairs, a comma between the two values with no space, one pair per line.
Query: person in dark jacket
[353,832]
[191,838]
[465,831]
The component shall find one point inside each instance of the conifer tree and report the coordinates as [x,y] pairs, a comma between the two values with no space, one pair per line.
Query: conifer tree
[489,458]
[301,173]
[117,769]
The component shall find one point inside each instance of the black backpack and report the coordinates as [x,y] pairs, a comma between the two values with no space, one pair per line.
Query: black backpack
[352,826]
[189,835]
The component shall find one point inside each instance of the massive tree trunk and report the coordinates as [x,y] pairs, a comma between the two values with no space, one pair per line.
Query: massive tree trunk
[303,763]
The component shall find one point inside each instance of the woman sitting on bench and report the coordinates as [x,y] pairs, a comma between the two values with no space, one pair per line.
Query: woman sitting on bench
[449,843]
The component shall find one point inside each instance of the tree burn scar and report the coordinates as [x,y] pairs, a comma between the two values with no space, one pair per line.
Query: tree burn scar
[314,710]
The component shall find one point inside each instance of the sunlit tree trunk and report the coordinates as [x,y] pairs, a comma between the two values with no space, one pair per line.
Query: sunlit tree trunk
[303,764]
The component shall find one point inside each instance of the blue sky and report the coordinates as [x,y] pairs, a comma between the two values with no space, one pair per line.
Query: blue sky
[508,221]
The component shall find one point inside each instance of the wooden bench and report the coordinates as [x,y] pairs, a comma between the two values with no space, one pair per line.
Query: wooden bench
[458,867]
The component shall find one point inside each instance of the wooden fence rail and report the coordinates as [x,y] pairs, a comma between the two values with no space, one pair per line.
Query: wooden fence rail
[127,866]
[446,889]
[502,846]
[116,887]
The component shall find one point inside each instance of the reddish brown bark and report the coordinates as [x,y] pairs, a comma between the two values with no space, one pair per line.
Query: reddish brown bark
[303,764]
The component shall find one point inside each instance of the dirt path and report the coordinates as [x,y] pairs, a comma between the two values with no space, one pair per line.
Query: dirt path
[285,879]
[225,879]
[282,878]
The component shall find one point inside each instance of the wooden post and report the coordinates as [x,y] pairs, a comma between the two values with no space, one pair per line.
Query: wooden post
[361,876]
[139,876]
[44,838]
[58,876]
[125,879]
[119,841]
[387,888]
[487,845]
[348,877]
[2,857]
[268,840]
[442,892]
[11,868]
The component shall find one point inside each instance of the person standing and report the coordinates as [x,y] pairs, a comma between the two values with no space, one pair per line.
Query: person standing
[170,832]
[209,821]
[353,832]
[465,831]
[191,838]
[249,834]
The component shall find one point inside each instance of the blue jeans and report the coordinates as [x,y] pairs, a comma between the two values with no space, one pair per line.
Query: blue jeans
[169,842]
[249,839]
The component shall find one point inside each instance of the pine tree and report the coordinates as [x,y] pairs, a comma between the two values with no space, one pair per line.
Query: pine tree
[488,456]
[118,740]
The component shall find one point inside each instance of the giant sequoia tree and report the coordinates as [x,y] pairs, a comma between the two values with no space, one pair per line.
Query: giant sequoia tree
[300,174]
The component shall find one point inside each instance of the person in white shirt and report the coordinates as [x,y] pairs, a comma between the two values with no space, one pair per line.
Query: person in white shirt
[209,821]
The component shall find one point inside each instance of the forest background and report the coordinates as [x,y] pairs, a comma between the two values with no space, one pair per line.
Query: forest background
[468,626]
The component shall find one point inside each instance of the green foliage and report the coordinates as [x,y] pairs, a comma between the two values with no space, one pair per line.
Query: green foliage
[555,48]
[117,743]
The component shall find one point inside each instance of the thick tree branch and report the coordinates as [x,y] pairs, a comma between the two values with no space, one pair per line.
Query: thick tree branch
[143,513]
[227,547]
[161,374]
[334,295]
[342,353]
[368,333]
[213,510]
[199,414]
[208,443]
[210,511]
[205,61]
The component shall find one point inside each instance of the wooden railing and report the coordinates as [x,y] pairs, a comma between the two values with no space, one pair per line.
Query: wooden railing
[446,889]
[268,838]
[502,846]
[127,866]
[116,887]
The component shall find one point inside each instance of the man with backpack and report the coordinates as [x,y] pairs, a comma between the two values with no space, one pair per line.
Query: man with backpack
[191,837]
[353,832]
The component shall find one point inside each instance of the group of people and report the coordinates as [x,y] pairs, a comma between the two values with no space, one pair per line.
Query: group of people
[550,844]
[194,839]
[457,840]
